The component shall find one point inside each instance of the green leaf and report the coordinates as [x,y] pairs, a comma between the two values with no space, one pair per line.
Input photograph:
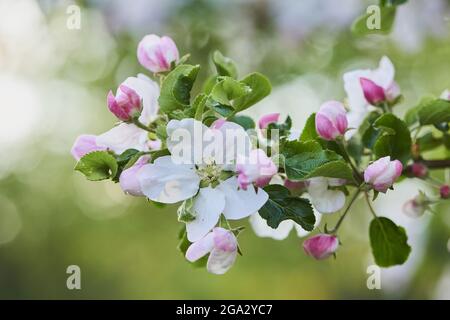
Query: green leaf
[309,131]
[97,165]
[386,18]
[227,90]
[259,88]
[176,88]
[244,121]
[389,242]
[411,115]
[159,153]
[393,138]
[223,110]
[282,206]
[434,112]
[199,106]
[224,65]
[305,160]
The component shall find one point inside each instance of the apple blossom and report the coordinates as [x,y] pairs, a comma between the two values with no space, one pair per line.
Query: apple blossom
[416,207]
[382,77]
[444,191]
[84,144]
[127,135]
[256,168]
[128,179]
[221,245]
[382,173]
[170,181]
[126,105]
[321,246]
[267,119]
[157,53]
[326,200]
[331,120]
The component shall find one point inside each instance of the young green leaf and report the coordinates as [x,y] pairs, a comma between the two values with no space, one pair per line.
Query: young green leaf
[259,88]
[244,121]
[309,131]
[224,65]
[434,112]
[393,138]
[389,242]
[282,206]
[227,90]
[97,165]
[176,88]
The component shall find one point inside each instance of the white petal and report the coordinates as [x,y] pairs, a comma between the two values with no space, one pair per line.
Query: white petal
[122,137]
[234,142]
[208,205]
[241,203]
[323,199]
[148,90]
[185,140]
[166,182]
[261,228]
[220,261]
[200,248]
[384,74]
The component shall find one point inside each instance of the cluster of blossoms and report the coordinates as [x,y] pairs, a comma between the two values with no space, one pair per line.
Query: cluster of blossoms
[220,167]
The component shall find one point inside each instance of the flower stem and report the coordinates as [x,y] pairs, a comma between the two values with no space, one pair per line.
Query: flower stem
[341,219]
[349,160]
[139,124]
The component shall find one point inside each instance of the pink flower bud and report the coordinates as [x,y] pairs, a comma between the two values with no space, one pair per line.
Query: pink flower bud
[257,168]
[419,170]
[382,173]
[417,206]
[445,191]
[321,246]
[85,144]
[331,120]
[126,104]
[128,179]
[157,53]
[267,119]
[373,93]
[221,244]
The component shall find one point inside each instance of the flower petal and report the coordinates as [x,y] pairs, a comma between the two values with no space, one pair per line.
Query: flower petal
[325,200]
[241,203]
[208,205]
[200,248]
[220,261]
[122,137]
[167,182]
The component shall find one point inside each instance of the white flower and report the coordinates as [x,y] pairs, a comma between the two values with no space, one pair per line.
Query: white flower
[383,76]
[222,246]
[323,199]
[126,135]
[169,180]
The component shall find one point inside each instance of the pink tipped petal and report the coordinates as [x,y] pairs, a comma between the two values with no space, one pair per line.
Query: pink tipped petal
[157,54]
[84,144]
[200,248]
[382,173]
[224,239]
[375,169]
[257,168]
[373,93]
[267,119]
[218,123]
[321,246]
[129,181]
[331,120]
[392,92]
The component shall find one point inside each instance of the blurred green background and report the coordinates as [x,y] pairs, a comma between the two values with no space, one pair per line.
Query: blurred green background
[53,85]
